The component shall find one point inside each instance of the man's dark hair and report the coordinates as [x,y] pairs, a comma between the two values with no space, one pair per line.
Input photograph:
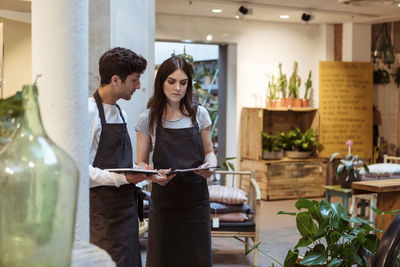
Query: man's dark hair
[121,62]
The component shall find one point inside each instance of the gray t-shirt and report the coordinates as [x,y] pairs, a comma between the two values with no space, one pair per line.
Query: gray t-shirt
[202,116]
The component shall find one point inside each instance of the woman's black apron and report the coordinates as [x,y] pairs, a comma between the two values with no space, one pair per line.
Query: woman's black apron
[114,210]
[179,225]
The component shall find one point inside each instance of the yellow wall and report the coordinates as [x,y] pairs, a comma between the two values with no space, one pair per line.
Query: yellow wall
[17,55]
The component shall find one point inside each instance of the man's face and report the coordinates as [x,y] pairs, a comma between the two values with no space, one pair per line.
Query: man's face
[127,88]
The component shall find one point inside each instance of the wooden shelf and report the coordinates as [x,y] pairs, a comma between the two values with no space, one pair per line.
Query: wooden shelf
[286,159]
[292,109]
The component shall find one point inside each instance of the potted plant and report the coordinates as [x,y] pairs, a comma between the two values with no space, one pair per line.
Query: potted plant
[301,144]
[271,146]
[207,74]
[294,86]
[282,82]
[328,237]
[349,166]
[273,93]
[308,85]
[396,76]
[381,76]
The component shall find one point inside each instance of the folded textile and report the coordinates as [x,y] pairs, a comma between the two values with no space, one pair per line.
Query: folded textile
[220,208]
[230,217]
[227,195]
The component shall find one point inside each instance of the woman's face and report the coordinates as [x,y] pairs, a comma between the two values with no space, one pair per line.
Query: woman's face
[175,86]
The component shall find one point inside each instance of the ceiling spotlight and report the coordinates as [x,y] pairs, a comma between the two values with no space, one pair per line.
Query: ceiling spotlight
[216,10]
[306,17]
[241,12]
[209,37]
[284,16]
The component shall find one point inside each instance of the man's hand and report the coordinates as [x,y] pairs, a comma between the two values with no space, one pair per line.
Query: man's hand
[134,178]
[205,173]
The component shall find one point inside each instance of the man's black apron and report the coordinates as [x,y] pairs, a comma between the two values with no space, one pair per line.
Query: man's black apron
[114,210]
[179,229]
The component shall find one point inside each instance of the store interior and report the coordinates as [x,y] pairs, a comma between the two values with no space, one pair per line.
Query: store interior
[303,97]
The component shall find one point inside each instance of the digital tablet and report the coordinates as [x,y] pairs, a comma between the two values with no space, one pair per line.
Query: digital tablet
[193,169]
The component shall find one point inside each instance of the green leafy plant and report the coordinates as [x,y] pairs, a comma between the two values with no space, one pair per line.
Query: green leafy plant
[328,237]
[282,81]
[308,85]
[296,140]
[381,76]
[11,111]
[273,89]
[349,164]
[227,165]
[271,142]
[294,82]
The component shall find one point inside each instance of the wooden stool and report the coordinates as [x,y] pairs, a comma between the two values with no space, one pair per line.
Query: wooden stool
[337,190]
[372,204]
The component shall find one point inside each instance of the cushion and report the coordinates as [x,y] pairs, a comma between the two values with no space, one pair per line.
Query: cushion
[382,168]
[230,217]
[246,226]
[227,195]
[220,208]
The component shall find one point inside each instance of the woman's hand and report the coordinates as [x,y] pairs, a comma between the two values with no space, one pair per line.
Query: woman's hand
[162,178]
[205,173]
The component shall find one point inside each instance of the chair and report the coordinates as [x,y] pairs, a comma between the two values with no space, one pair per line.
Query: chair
[248,230]
[391,159]
[389,246]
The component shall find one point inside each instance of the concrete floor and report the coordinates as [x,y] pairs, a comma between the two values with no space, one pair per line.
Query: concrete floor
[278,234]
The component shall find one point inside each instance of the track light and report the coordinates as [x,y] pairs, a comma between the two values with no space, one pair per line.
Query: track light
[306,17]
[241,12]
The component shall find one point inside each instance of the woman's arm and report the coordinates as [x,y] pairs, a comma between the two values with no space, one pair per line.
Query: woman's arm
[143,142]
[209,159]
[142,148]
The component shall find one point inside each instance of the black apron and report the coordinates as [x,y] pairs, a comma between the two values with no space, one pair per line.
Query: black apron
[114,210]
[179,225]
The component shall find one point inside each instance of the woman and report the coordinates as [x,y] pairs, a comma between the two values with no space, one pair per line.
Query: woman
[179,133]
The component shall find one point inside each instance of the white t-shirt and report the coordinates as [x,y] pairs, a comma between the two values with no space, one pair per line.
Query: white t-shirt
[202,117]
[99,177]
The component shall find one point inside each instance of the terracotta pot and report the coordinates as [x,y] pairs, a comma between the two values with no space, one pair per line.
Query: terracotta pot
[284,102]
[298,103]
[290,102]
[305,103]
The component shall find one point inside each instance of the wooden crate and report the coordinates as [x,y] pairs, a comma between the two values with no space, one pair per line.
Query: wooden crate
[272,121]
[288,179]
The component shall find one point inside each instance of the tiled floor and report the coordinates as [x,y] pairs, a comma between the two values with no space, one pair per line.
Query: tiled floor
[278,234]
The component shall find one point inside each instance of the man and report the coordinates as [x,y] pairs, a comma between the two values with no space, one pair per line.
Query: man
[114,196]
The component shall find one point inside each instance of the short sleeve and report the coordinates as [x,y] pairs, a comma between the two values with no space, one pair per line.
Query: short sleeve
[142,124]
[203,118]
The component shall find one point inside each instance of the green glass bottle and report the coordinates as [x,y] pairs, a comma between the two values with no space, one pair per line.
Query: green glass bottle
[38,194]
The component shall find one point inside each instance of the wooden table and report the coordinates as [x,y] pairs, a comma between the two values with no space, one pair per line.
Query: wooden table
[337,190]
[388,197]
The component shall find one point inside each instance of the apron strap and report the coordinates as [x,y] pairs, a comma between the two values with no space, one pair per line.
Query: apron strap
[140,196]
[99,104]
[120,113]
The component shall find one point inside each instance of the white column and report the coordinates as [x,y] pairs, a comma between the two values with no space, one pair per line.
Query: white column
[356,42]
[60,55]
[132,25]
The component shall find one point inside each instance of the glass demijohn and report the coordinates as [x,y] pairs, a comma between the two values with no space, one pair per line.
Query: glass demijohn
[38,193]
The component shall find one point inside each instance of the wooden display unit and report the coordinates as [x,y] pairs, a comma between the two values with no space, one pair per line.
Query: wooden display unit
[285,178]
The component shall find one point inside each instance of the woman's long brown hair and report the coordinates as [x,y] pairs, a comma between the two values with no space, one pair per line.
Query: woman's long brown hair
[158,101]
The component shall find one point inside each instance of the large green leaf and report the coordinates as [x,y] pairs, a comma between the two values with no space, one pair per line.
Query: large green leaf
[303,242]
[325,209]
[371,242]
[312,207]
[335,263]
[333,237]
[305,224]
[291,258]
[336,218]
[318,255]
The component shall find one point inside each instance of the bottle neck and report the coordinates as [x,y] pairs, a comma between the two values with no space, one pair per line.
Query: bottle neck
[32,123]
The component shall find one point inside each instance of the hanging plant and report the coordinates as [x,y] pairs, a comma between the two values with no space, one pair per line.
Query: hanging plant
[396,77]
[381,76]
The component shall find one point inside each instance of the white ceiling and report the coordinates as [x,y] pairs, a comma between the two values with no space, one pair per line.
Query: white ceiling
[323,11]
